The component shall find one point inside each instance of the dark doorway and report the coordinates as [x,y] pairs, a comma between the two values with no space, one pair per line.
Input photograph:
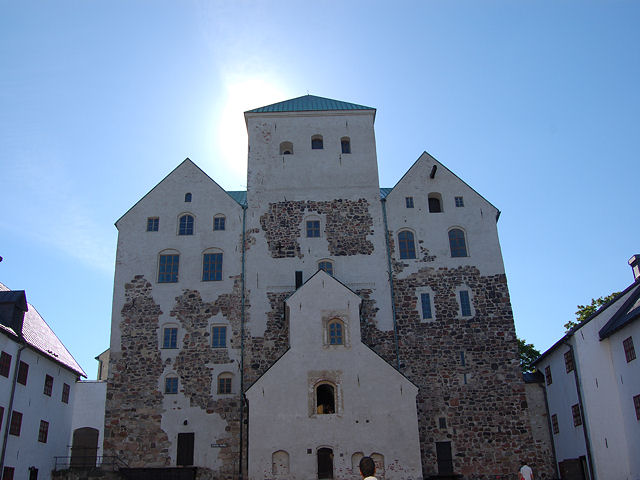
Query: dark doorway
[574,469]
[84,447]
[445,459]
[325,463]
[325,399]
[185,449]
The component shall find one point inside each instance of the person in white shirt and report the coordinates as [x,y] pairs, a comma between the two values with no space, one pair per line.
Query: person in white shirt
[367,468]
[525,473]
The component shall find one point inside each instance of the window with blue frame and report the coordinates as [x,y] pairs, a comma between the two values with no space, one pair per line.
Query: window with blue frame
[409,202]
[465,304]
[186,225]
[313,228]
[219,222]
[336,332]
[457,243]
[459,202]
[219,336]
[187,197]
[406,245]
[171,385]
[224,383]
[170,337]
[212,267]
[152,224]
[168,268]
[326,266]
[425,299]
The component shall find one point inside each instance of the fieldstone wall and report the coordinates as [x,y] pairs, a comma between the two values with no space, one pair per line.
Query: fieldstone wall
[348,223]
[134,405]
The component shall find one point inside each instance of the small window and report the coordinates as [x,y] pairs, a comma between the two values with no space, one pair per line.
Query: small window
[442,423]
[425,300]
[168,271]
[345,144]
[152,224]
[219,222]
[187,197]
[577,416]
[325,399]
[7,473]
[186,225]
[568,361]
[554,424]
[459,202]
[465,303]
[406,244]
[65,393]
[212,267]
[171,385]
[16,424]
[219,336]
[336,332]
[547,375]
[457,243]
[408,202]
[326,266]
[286,148]
[316,142]
[33,473]
[313,228]
[5,364]
[636,405]
[435,203]
[170,337]
[43,433]
[629,351]
[224,383]
[48,385]
[23,373]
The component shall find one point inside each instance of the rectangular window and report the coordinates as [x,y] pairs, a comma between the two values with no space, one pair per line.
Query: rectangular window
[629,351]
[463,362]
[313,228]
[442,423]
[48,385]
[171,385]
[409,202]
[168,271]
[23,372]
[425,299]
[170,338]
[7,473]
[568,361]
[43,433]
[547,375]
[577,416]
[465,305]
[152,224]
[554,424]
[212,267]
[346,146]
[224,385]
[636,404]
[459,202]
[33,473]
[5,364]
[16,423]
[218,223]
[65,393]
[219,337]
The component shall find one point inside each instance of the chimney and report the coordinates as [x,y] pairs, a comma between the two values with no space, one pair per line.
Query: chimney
[635,266]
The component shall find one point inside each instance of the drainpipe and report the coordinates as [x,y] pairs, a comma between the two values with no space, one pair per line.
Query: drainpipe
[585,428]
[390,272]
[5,435]
[242,398]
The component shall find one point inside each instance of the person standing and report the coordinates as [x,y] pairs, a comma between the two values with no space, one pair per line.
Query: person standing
[367,468]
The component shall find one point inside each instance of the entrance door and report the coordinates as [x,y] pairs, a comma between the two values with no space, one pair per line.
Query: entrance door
[325,463]
[185,449]
[445,459]
[84,447]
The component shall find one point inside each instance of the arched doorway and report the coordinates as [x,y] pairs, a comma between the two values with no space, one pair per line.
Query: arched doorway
[84,448]
[325,463]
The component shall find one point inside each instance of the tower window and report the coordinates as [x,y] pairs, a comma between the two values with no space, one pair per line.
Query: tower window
[457,243]
[425,299]
[187,197]
[186,225]
[336,332]
[345,144]
[406,244]
[465,304]
[317,143]
[325,399]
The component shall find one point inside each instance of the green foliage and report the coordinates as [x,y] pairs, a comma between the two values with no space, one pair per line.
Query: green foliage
[585,311]
[528,353]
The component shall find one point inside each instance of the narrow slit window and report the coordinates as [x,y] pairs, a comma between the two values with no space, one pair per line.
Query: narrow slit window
[465,303]
[425,299]
[547,375]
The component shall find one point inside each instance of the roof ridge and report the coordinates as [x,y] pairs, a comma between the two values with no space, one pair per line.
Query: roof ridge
[309,103]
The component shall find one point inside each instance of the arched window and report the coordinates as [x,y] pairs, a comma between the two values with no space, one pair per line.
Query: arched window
[355,462]
[345,144]
[336,332]
[168,263]
[325,463]
[286,148]
[378,459]
[406,244]
[187,197]
[185,226]
[316,142]
[435,203]
[457,243]
[325,398]
[326,266]
[224,383]
[219,222]
[280,463]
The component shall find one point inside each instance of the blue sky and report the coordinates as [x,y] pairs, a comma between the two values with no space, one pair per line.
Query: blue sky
[535,104]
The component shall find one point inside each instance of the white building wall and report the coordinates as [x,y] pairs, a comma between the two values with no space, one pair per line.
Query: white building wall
[88,409]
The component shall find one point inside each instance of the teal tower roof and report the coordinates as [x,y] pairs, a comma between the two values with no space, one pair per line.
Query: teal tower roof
[309,103]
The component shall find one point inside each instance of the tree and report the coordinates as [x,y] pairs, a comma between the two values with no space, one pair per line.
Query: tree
[585,311]
[528,353]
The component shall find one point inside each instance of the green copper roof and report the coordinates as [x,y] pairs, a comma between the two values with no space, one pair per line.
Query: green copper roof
[309,103]
[241,196]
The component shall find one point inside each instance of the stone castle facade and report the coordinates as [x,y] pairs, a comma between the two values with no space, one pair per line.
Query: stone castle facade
[286,331]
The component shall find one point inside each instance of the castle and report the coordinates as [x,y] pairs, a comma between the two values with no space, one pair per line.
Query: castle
[286,331]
